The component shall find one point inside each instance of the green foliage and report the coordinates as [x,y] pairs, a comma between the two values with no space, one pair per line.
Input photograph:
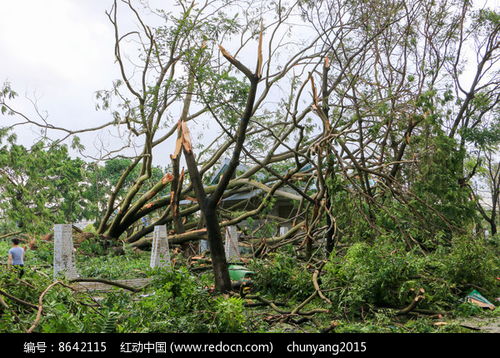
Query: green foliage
[40,186]
[282,274]
[102,179]
[484,137]
[110,323]
[91,246]
[470,262]
[372,276]
[229,314]
[438,187]
[369,275]
[180,303]
[110,266]
[176,301]
[467,309]
[63,308]
[385,274]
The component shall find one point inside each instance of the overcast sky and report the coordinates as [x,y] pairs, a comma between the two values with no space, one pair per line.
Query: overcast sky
[60,52]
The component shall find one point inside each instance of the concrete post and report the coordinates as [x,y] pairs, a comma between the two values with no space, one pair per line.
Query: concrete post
[231,246]
[64,256]
[283,230]
[160,254]
[203,246]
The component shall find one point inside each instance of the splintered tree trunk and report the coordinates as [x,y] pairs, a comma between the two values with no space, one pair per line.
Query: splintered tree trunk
[208,204]
[219,262]
[209,211]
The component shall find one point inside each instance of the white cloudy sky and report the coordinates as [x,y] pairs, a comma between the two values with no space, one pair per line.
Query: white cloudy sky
[60,52]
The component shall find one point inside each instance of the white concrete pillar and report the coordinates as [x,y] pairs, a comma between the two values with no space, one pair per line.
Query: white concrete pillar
[231,246]
[203,246]
[283,230]
[64,255]
[160,253]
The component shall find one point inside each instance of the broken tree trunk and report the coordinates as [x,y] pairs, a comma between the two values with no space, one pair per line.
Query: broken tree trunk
[208,204]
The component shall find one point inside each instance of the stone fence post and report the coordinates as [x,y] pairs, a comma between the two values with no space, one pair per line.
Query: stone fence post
[231,246]
[160,254]
[64,255]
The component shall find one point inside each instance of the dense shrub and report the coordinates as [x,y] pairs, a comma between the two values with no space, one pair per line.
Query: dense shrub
[229,315]
[369,275]
[281,273]
[384,274]
[180,303]
[63,309]
[113,267]
[470,262]
[176,301]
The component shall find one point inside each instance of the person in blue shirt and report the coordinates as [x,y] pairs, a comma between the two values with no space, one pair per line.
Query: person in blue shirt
[16,257]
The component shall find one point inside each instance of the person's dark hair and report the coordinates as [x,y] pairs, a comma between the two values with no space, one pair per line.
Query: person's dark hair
[15,241]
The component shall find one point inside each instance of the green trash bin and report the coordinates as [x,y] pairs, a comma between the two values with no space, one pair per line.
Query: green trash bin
[240,273]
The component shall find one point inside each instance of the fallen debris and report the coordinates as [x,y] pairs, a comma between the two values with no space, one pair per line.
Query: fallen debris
[419,297]
[479,300]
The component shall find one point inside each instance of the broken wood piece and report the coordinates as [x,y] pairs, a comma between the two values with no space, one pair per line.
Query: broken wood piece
[316,284]
[108,282]
[419,297]
[331,327]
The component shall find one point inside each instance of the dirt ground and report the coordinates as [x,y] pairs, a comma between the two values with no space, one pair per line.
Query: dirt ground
[486,325]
